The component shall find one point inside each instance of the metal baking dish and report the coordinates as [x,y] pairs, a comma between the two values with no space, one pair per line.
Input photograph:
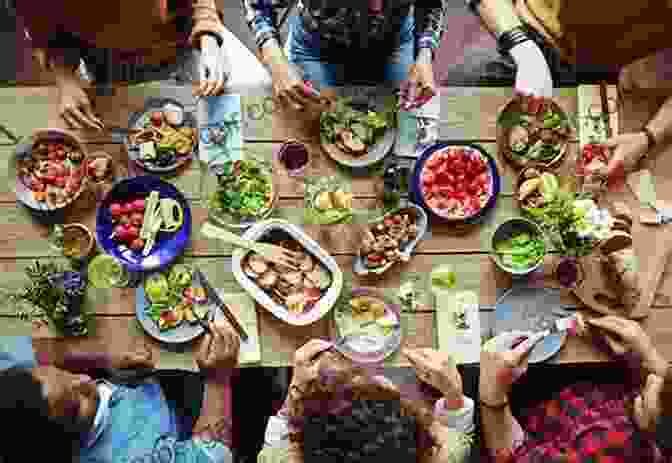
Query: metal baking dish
[322,307]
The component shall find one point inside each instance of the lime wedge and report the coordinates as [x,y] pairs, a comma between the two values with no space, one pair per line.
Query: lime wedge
[107,272]
[444,276]
[549,185]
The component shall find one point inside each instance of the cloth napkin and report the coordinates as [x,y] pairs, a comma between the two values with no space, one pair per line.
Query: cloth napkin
[464,345]
[245,311]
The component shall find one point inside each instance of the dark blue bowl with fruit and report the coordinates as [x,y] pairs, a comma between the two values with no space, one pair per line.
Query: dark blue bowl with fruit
[139,240]
[455,183]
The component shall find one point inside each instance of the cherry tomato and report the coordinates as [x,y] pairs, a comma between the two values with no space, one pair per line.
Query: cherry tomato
[375,257]
[450,178]
[137,218]
[396,219]
[49,179]
[120,232]
[157,118]
[472,188]
[124,219]
[138,205]
[133,232]
[115,210]
[137,244]
[60,182]
[51,147]
[126,208]
[37,185]
[388,222]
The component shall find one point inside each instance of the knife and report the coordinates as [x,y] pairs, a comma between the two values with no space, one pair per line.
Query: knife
[605,108]
[214,297]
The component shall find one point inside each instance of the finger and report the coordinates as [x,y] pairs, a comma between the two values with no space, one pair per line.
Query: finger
[204,347]
[617,347]
[88,111]
[618,139]
[83,118]
[607,323]
[70,120]
[519,354]
[311,349]
[651,398]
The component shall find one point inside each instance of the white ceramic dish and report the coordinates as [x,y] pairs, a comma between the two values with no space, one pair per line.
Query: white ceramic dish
[322,307]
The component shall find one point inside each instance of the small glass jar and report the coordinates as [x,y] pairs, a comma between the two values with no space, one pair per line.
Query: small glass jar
[294,157]
[569,272]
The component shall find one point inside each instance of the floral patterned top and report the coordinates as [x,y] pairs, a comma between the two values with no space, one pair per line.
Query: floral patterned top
[585,423]
[343,24]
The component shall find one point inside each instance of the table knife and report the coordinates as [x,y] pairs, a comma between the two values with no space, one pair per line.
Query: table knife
[214,297]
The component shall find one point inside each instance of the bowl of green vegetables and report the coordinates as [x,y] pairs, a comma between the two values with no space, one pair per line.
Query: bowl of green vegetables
[518,246]
[245,193]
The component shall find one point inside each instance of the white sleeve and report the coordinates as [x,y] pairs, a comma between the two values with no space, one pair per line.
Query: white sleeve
[461,420]
[277,431]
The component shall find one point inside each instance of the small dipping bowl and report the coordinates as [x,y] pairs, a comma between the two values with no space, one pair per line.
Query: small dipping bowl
[294,157]
[85,241]
[506,231]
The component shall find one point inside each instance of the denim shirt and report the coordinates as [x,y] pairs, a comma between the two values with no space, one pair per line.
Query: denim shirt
[140,427]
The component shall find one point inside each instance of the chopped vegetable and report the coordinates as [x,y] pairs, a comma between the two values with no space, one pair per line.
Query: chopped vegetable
[169,210]
[245,189]
[521,251]
[444,276]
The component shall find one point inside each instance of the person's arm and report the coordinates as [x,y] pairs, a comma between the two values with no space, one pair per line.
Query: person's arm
[457,418]
[661,124]
[261,17]
[206,21]
[430,17]
[501,431]
[214,425]
[496,15]
[88,357]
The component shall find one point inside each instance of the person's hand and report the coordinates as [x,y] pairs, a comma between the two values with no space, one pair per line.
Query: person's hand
[74,105]
[218,351]
[629,148]
[306,369]
[648,405]
[533,76]
[212,68]
[500,370]
[420,87]
[438,369]
[289,88]
[139,356]
[624,335]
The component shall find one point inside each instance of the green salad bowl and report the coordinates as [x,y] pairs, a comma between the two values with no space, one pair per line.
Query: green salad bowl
[527,255]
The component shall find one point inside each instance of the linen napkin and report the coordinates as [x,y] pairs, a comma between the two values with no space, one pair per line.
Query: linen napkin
[219,127]
[459,335]
[244,308]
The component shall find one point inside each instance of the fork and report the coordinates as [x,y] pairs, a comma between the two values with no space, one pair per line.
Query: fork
[270,252]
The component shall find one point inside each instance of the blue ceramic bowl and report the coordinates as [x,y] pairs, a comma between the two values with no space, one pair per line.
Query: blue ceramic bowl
[168,246]
[416,190]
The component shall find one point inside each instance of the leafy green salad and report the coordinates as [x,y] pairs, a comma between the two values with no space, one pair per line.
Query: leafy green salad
[521,251]
[245,189]
[365,126]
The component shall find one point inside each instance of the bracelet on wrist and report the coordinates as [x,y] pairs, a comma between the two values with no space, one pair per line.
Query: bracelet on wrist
[509,39]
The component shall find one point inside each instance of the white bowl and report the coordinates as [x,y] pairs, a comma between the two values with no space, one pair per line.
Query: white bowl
[322,307]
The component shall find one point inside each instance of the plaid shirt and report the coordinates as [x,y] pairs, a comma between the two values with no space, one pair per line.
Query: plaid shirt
[339,23]
[586,423]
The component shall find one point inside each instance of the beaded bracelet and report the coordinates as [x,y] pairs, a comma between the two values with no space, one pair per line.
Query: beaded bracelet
[509,39]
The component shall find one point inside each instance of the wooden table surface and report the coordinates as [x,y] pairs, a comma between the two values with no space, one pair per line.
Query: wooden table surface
[467,114]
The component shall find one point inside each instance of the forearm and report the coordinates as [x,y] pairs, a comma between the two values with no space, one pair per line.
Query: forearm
[80,358]
[429,24]
[206,21]
[501,430]
[272,54]
[661,124]
[215,421]
[497,15]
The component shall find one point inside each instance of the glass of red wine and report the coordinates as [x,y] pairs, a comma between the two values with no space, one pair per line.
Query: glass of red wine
[294,156]
[569,272]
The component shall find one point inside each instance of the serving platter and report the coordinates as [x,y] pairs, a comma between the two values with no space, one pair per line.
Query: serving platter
[265,229]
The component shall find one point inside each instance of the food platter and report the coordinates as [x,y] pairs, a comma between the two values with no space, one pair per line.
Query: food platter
[37,162]
[368,330]
[286,302]
[392,239]
[533,130]
[186,142]
[383,140]
[452,200]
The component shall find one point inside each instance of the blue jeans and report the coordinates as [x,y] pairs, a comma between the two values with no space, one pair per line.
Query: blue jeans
[331,67]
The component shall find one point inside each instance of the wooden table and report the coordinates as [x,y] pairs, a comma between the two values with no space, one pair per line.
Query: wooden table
[467,114]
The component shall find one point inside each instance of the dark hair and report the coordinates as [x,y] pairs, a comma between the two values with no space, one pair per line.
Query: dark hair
[29,433]
[370,431]
[344,416]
